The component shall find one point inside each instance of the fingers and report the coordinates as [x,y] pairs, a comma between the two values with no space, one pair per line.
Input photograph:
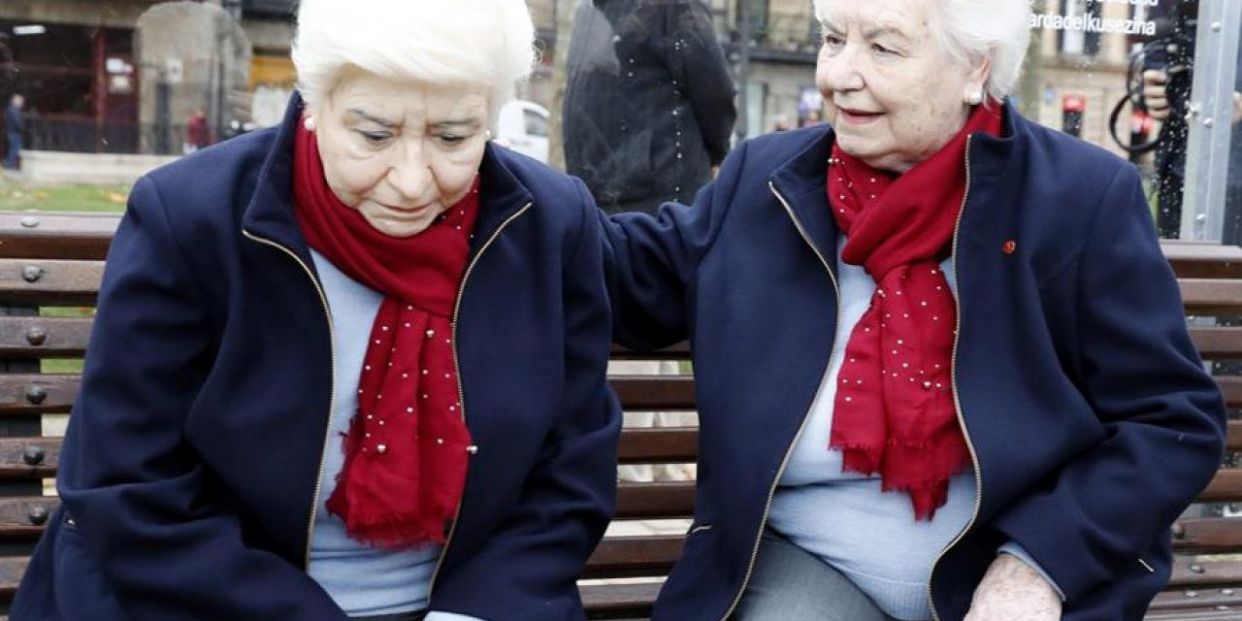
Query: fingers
[1155,77]
[1155,93]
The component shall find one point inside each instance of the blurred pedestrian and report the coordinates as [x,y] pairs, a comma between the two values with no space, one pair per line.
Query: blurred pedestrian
[14,124]
[197,132]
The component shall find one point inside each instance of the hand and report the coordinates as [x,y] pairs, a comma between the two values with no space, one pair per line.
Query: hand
[1155,93]
[1011,590]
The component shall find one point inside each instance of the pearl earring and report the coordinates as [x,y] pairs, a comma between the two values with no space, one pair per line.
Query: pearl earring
[974,98]
[309,124]
[488,134]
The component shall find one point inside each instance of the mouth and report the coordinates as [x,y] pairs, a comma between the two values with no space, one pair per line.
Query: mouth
[403,214]
[857,117]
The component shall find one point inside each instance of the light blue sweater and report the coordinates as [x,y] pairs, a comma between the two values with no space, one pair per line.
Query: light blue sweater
[868,535]
[362,580]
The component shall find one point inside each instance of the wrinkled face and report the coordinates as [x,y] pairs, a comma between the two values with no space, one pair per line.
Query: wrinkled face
[893,94]
[400,153]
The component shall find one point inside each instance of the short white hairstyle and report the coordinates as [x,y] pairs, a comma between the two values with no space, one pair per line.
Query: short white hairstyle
[487,43]
[969,30]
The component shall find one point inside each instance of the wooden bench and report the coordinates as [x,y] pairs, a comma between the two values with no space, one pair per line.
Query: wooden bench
[53,261]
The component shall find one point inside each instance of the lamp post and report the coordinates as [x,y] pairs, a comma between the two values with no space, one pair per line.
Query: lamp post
[742,128]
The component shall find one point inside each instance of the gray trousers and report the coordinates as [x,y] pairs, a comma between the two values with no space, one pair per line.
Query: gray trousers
[791,584]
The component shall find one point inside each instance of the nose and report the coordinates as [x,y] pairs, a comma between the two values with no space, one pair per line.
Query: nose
[839,71]
[410,173]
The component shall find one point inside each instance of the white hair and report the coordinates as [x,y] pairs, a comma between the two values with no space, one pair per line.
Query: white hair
[970,30]
[488,43]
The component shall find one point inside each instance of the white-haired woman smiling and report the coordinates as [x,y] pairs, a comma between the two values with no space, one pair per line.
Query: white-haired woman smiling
[941,365]
[350,367]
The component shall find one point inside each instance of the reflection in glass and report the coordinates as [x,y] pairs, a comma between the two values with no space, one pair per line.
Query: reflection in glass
[648,107]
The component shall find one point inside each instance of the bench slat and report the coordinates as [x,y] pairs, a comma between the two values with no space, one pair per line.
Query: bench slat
[1215,343]
[621,557]
[1190,599]
[88,235]
[49,283]
[616,601]
[30,394]
[1206,574]
[680,351]
[1211,296]
[1231,387]
[1191,259]
[59,235]
[68,337]
[44,337]
[11,570]
[1225,613]
[612,598]
[659,445]
[638,446]
[40,463]
[22,518]
[671,499]
[638,392]
[1226,486]
[1207,535]
[654,392]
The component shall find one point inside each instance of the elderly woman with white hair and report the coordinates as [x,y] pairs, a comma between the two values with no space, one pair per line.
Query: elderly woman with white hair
[941,364]
[352,367]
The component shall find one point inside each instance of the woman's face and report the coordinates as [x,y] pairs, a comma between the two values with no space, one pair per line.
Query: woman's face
[893,95]
[400,153]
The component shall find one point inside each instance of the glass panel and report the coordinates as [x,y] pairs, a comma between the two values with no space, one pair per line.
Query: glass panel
[1210,116]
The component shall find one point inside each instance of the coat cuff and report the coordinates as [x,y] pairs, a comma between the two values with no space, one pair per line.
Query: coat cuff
[1017,551]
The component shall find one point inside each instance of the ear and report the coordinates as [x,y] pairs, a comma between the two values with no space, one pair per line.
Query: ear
[978,74]
[312,113]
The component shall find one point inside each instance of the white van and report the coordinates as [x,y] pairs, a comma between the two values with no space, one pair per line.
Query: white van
[523,127]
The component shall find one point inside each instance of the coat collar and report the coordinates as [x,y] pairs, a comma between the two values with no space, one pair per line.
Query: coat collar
[802,180]
[269,211]
[802,184]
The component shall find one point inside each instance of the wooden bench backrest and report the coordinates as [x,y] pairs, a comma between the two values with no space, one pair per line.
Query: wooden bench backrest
[51,260]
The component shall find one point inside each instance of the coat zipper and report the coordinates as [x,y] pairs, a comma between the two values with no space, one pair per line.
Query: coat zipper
[327,312]
[754,552]
[957,402]
[461,393]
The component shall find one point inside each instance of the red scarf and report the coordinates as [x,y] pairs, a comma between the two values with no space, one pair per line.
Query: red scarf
[894,410]
[406,450]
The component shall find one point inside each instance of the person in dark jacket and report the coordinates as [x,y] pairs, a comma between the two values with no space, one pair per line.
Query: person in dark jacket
[648,107]
[941,365]
[14,125]
[352,367]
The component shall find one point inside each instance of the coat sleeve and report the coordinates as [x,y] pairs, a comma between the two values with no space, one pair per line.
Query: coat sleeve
[1162,414]
[529,566]
[651,261]
[133,491]
[700,68]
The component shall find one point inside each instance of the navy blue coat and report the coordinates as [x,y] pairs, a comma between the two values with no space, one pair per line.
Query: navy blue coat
[1091,420]
[190,468]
